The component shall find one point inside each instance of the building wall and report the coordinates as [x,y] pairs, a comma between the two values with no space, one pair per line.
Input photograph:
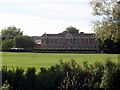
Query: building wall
[69,42]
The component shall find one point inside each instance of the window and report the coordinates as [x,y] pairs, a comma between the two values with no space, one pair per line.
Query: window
[74,40]
[48,40]
[71,40]
[86,41]
[94,46]
[82,41]
[90,40]
[42,41]
[66,41]
[52,41]
[55,41]
[79,41]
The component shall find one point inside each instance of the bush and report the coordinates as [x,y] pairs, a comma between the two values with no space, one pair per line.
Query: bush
[65,76]
[30,79]
[5,86]
[110,76]
[19,79]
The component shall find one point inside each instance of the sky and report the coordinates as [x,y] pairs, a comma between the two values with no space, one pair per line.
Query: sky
[35,17]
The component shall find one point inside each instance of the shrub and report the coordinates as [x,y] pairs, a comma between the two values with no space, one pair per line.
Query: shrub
[4,74]
[116,79]
[93,74]
[30,79]
[19,79]
[5,86]
[14,77]
[108,78]
[68,83]
[64,76]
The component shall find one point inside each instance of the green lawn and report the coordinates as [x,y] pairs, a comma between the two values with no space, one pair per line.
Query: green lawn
[37,60]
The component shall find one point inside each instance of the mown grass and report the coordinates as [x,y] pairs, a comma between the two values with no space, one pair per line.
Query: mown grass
[38,60]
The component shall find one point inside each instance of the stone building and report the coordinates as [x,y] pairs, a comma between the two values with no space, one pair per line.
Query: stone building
[79,41]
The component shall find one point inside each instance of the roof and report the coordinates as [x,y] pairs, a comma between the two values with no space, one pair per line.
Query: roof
[68,35]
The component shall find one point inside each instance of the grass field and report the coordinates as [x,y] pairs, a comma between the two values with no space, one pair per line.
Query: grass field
[38,60]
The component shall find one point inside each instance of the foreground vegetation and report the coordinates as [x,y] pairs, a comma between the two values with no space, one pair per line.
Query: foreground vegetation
[64,76]
[38,60]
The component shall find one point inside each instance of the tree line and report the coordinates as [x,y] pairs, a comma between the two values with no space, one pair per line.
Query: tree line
[13,37]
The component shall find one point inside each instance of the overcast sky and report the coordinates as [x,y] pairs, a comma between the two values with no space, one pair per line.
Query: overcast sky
[36,17]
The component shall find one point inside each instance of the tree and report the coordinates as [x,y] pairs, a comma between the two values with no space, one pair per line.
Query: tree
[107,28]
[25,42]
[7,44]
[10,32]
[71,30]
[8,35]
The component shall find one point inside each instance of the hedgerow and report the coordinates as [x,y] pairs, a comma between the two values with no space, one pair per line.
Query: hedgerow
[67,75]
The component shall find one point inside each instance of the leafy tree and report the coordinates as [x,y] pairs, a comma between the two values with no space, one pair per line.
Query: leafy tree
[8,35]
[13,37]
[108,27]
[71,30]
[7,44]
[24,42]
[10,32]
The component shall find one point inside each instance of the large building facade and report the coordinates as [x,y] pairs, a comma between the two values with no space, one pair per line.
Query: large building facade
[79,41]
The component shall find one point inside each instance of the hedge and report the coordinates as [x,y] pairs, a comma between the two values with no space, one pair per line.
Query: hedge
[64,76]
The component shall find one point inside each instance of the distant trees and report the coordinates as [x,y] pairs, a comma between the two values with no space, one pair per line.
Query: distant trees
[10,32]
[7,43]
[71,30]
[13,37]
[24,42]
[8,35]
[107,28]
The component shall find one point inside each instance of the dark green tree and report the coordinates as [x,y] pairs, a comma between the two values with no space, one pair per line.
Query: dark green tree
[10,32]
[8,35]
[25,42]
[7,44]
[107,28]
[71,30]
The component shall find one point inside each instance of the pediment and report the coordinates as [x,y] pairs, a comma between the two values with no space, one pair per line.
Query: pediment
[69,35]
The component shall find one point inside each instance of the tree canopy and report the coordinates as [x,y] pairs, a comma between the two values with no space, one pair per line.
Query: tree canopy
[71,30]
[11,32]
[107,28]
[7,44]
[13,37]
[24,42]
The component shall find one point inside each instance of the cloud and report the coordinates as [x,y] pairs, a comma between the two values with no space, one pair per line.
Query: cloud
[47,8]
[51,16]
